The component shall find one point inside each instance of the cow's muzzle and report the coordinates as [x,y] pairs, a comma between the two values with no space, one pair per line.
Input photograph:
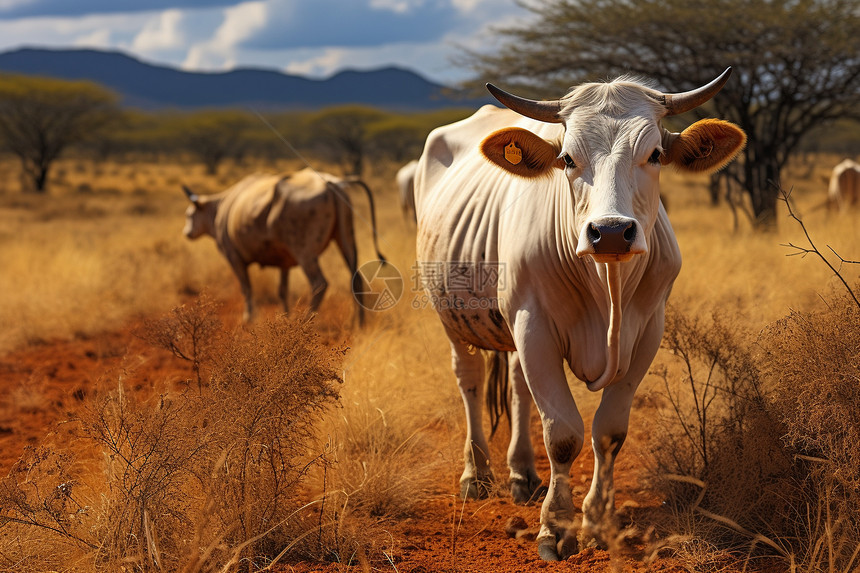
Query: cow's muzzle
[611,239]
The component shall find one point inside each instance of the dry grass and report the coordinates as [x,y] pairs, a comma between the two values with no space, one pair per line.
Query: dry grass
[757,453]
[105,247]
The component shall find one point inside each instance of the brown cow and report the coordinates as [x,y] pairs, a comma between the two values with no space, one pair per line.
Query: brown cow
[281,221]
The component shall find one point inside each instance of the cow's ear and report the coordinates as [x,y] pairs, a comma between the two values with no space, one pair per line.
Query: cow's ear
[704,147]
[521,152]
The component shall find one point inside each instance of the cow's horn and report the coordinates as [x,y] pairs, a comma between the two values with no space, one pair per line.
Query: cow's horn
[679,103]
[547,111]
[192,196]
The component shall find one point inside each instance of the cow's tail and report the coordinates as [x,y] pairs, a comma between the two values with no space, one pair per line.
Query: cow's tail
[357,181]
[498,389]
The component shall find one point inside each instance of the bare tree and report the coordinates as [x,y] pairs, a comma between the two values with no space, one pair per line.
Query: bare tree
[797,64]
[40,118]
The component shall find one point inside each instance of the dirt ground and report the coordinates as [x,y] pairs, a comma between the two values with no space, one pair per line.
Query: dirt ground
[42,386]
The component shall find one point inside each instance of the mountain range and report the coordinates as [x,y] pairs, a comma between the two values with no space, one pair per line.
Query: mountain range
[150,87]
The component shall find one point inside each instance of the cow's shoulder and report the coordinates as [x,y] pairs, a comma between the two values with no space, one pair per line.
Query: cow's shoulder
[247,200]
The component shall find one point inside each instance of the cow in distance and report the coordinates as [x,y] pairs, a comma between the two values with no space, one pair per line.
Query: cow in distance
[282,221]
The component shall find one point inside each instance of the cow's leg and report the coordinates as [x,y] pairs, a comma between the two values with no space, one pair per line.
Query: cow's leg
[563,430]
[241,272]
[608,432]
[319,285]
[346,243]
[525,483]
[284,288]
[468,366]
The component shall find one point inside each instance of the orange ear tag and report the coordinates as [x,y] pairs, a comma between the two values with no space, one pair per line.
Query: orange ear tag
[513,153]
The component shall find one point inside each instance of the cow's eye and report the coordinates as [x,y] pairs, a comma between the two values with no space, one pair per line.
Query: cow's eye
[655,157]
[568,160]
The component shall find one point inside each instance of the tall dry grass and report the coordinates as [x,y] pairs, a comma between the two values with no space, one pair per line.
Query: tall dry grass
[756,450]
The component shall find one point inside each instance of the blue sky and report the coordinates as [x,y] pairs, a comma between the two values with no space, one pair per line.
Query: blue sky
[308,37]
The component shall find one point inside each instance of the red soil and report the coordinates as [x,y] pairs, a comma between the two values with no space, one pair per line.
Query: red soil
[42,386]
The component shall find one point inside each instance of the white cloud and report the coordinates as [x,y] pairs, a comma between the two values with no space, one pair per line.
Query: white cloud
[95,39]
[396,6]
[160,33]
[317,65]
[116,30]
[240,23]
[467,5]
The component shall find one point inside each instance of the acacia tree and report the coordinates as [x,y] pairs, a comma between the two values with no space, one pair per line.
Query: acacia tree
[399,138]
[40,118]
[214,135]
[343,133]
[796,63]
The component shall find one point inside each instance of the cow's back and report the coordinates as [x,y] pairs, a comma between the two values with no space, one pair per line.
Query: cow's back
[460,195]
[276,220]
[468,212]
[844,189]
[305,212]
[241,219]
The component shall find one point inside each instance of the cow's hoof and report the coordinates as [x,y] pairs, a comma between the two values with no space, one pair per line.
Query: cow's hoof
[548,549]
[474,488]
[527,490]
[568,545]
[552,549]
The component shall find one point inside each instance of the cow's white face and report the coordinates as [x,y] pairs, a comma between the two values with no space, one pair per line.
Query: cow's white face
[611,153]
[195,222]
[613,167]
[200,215]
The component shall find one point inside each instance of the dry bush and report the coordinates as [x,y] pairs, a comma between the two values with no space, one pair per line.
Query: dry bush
[757,452]
[190,332]
[192,480]
[156,457]
[41,507]
[268,390]
[717,429]
[813,360]
[385,462]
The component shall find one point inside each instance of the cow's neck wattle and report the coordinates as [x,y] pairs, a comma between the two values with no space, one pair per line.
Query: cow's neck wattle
[613,334]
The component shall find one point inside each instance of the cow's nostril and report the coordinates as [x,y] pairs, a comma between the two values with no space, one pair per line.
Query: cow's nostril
[593,233]
[630,233]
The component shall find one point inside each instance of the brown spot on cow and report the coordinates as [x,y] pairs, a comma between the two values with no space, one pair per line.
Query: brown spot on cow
[565,450]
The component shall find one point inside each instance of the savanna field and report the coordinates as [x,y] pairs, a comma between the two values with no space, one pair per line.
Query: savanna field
[143,427]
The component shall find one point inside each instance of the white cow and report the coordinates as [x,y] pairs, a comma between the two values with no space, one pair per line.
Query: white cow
[844,188]
[558,220]
[406,188]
